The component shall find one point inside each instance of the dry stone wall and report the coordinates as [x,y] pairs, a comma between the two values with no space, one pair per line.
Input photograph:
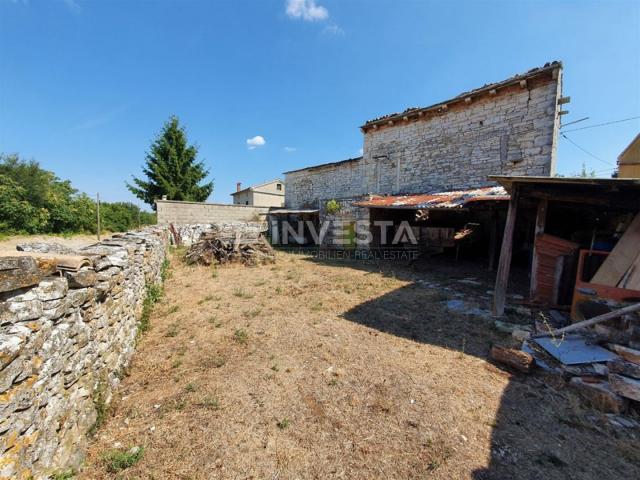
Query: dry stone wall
[64,344]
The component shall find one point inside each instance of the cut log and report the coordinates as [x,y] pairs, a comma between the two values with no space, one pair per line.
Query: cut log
[629,354]
[625,386]
[512,357]
[628,369]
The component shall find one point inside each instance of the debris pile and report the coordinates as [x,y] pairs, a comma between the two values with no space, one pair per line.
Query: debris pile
[231,243]
[599,357]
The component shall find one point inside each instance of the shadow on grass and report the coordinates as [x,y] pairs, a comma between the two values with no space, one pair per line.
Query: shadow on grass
[541,430]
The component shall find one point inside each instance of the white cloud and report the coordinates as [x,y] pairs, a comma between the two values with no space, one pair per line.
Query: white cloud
[290,149]
[73,5]
[333,29]
[306,10]
[255,142]
[361,151]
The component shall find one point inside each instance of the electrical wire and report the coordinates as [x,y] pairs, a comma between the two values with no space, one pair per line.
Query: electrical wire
[602,124]
[585,151]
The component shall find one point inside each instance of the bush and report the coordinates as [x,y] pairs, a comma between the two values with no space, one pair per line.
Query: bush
[34,200]
[332,207]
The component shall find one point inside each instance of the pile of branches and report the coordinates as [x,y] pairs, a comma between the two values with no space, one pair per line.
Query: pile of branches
[215,247]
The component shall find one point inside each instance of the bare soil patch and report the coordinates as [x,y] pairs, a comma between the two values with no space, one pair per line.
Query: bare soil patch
[340,370]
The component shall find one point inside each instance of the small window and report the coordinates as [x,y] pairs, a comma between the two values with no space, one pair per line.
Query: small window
[278,186]
[246,202]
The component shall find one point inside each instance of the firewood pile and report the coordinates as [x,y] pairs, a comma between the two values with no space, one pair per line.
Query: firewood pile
[221,246]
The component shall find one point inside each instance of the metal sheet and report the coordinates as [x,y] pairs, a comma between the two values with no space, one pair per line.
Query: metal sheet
[573,350]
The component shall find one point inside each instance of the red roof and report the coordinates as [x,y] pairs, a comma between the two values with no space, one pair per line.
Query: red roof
[454,199]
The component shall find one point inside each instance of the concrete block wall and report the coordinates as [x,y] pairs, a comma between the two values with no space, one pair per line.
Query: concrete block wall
[63,346]
[185,213]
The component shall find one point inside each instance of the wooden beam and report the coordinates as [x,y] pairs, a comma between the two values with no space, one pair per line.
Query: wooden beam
[504,264]
[592,321]
[541,219]
[493,239]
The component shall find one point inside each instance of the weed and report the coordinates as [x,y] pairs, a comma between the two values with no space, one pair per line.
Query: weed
[165,273]
[210,403]
[316,307]
[333,382]
[154,293]
[282,424]
[241,336]
[191,387]
[64,475]
[252,313]
[433,465]
[278,289]
[100,404]
[260,283]
[214,272]
[275,368]
[209,298]
[240,293]
[173,309]
[176,364]
[117,460]
[173,330]
[218,361]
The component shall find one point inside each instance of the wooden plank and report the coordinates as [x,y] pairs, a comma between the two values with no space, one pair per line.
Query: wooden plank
[493,239]
[541,219]
[629,354]
[621,257]
[625,368]
[592,321]
[631,280]
[625,386]
[504,264]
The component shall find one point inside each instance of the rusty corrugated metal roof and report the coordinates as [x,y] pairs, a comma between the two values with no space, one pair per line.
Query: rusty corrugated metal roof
[453,199]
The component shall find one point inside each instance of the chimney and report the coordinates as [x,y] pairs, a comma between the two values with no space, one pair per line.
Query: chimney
[238,186]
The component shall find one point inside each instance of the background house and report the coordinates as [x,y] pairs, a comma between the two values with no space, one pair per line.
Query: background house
[629,160]
[268,194]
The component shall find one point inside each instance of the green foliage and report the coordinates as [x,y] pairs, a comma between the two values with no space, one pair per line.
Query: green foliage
[64,475]
[332,207]
[117,460]
[172,169]
[154,292]
[34,200]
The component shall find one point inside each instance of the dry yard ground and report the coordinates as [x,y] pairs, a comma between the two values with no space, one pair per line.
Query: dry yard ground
[305,369]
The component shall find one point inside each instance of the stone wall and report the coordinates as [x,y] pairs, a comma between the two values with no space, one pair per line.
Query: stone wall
[511,133]
[185,213]
[64,344]
[307,188]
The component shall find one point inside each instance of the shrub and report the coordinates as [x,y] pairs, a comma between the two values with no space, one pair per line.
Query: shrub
[332,207]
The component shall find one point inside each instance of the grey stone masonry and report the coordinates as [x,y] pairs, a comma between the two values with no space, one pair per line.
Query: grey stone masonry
[508,128]
[63,346]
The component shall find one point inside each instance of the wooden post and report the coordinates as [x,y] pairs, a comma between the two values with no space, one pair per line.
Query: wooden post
[98,213]
[541,218]
[493,239]
[504,264]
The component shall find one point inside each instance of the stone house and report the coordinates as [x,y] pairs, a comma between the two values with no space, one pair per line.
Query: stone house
[267,194]
[505,128]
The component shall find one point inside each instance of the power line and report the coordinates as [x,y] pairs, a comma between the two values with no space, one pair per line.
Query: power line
[603,124]
[585,151]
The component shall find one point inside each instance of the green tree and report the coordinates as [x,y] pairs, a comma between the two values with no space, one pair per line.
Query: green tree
[172,169]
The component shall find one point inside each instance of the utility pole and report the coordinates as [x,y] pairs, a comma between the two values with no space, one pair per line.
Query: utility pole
[98,213]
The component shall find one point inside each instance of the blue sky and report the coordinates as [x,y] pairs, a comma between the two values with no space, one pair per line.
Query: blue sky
[86,85]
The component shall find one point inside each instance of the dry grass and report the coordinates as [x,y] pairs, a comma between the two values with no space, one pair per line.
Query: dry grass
[308,370]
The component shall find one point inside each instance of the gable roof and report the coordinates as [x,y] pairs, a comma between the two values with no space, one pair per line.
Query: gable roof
[629,147]
[548,68]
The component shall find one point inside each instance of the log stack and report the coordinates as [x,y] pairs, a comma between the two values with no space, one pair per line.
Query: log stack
[228,246]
